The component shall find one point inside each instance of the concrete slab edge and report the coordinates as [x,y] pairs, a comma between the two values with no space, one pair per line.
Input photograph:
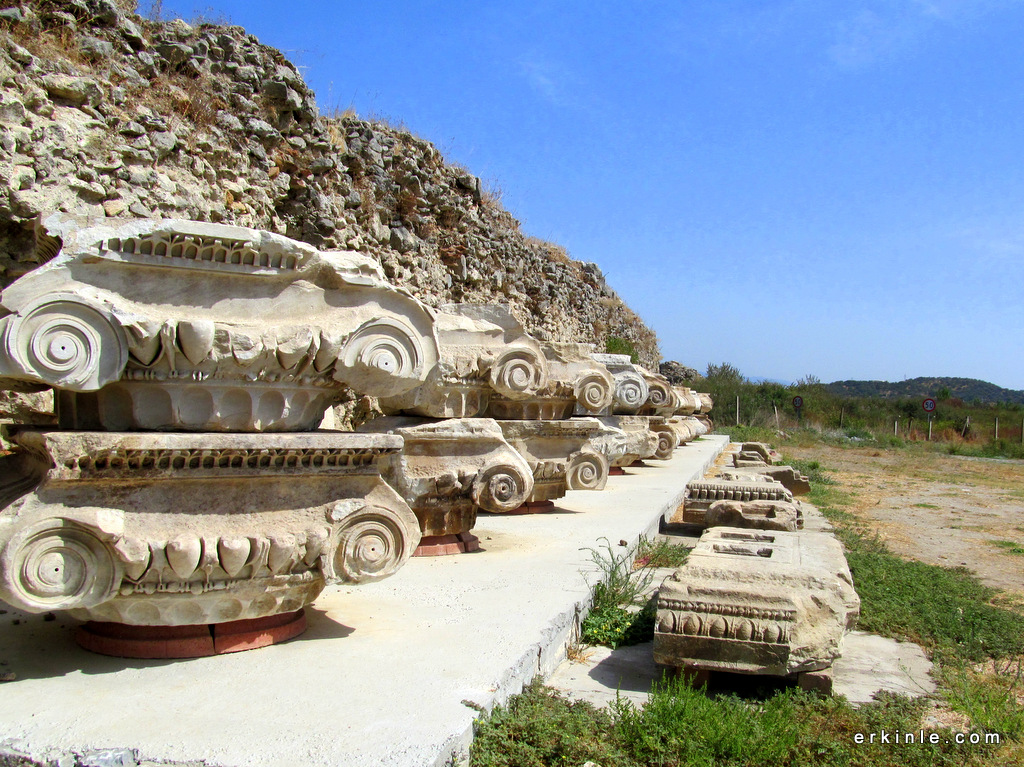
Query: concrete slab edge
[543,657]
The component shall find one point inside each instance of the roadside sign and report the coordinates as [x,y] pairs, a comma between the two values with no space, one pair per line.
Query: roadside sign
[928,405]
[798,402]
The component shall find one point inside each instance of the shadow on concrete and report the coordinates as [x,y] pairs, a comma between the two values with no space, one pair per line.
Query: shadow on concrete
[320,625]
[630,669]
[36,648]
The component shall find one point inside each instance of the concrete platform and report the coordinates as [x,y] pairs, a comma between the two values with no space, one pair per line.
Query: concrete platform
[391,673]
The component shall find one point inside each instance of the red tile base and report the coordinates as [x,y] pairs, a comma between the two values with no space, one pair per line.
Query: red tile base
[616,471]
[441,545]
[534,507]
[123,641]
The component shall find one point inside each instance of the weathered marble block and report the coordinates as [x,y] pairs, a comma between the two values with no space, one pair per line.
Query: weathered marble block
[627,439]
[667,434]
[687,428]
[700,494]
[449,470]
[757,452]
[662,398]
[754,515]
[560,455]
[706,403]
[483,351]
[181,529]
[576,383]
[787,476]
[185,326]
[689,402]
[631,388]
[773,603]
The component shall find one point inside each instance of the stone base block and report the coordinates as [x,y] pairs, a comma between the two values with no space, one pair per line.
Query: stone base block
[123,641]
[534,507]
[616,471]
[441,545]
[816,681]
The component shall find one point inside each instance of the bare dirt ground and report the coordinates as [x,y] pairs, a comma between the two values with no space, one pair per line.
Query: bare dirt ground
[937,508]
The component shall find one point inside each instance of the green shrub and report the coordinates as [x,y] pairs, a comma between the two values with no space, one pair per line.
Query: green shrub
[616,345]
[619,627]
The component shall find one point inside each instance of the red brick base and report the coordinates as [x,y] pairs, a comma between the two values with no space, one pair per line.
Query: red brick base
[123,641]
[440,545]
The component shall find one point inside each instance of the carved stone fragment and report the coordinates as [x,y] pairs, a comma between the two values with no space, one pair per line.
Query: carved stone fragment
[449,470]
[483,351]
[774,603]
[625,439]
[560,455]
[176,529]
[790,478]
[700,494]
[754,515]
[575,383]
[185,326]
[631,388]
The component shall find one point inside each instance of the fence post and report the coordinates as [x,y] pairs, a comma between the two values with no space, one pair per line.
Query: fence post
[776,408]
[910,428]
[896,427]
[737,409]
[997,428]
[842,412]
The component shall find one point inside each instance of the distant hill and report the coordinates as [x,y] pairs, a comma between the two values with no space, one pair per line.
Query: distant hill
[967,389]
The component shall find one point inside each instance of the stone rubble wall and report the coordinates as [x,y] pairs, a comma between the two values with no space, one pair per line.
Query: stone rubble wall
[104,114]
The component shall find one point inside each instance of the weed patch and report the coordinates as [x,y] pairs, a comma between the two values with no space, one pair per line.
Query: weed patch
[659,553]
[680,726]
[619,627]
[992,698]
[1010,547]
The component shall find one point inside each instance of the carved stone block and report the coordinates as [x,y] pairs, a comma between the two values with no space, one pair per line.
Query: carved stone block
[483,351]
[185,326]
[576,383]
[773,603]
[631,388]
[754,515]
[700,494]
[560,455]
[175,529]
[790,478]
[625,439]
[448,470]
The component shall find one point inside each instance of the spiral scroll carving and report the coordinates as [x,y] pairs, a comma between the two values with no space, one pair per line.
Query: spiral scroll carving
[518,373]
[58,564]
[660,395]
[630,391]
[587,471]
[501,489]
[593,393]
[372,546]
[68,345]
[388,352]
[667,442]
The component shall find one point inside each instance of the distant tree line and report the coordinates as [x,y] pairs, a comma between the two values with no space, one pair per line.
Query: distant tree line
[865,411]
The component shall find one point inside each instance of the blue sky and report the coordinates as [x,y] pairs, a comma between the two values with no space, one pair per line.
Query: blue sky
[816,187]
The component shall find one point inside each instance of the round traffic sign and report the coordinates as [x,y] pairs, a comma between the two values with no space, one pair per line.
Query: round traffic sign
[928,405]
[798,402]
